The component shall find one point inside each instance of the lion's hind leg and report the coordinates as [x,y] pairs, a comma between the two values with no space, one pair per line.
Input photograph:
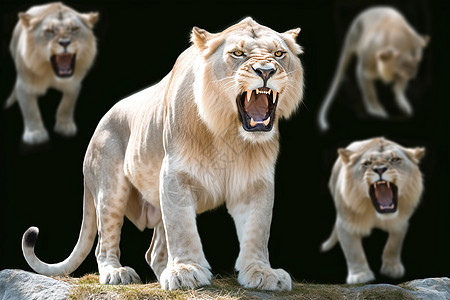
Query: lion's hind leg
[111,202]
[157,255]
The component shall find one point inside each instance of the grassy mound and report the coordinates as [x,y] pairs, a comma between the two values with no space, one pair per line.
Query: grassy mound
[226,288]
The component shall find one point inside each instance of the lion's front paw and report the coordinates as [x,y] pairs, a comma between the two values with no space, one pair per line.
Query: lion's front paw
[122,275]
[67,128]
[361,277]
[185,276]
[265,278]
[378,112]
[393,270]
[35,136]
[406,108]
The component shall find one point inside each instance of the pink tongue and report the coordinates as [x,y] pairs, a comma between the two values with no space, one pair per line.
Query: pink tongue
[258,106]
[64,61]
[384,195]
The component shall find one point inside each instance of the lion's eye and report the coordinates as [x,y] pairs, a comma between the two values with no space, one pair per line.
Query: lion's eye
[49,31]
[238,53]
[395,159]
[367,163]
[75,29]
[279,53]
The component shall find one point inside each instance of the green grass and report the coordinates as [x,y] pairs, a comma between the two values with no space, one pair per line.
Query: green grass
[226,288]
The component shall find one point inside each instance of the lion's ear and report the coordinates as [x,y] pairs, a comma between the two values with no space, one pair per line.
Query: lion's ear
[293,33]
[200,37]
[28,21]
[90,19]
[425,40]
[345,154]
[290,37]
[416,154]
[387,53]
[25,19]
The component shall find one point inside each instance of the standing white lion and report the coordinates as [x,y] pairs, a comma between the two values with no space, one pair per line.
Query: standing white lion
[52,46]
[205,135]
[375,183]
[387,48]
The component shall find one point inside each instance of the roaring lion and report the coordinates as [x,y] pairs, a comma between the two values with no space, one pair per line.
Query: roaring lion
[52,46]
[388,48]
[205,135]
[374,183]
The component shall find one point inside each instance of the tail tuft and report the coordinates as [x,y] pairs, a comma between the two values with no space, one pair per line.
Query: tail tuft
[330,242]
[11,100]
[30,237]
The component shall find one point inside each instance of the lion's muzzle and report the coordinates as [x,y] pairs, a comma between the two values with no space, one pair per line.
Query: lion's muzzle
[384,196]
[257,109]
[63,64]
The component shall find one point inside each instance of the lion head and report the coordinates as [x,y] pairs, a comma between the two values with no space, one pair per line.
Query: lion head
[384,172]
[249,76]
[402,61]
[59,38]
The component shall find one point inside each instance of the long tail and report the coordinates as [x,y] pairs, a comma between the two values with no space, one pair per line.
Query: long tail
[11,99]
[330,242]
[344,60]
[79,253]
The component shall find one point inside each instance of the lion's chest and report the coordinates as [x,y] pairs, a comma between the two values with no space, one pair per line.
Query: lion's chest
[225,172]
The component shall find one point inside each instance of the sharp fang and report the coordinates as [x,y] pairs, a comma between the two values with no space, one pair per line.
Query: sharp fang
[388,185]
[252,122]
[266,122]
[249,95]
[274,97]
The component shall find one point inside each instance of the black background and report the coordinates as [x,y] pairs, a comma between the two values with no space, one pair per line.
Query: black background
[138,42]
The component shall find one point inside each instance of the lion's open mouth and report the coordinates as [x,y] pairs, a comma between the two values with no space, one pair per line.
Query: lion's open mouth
[384,196]
[257,109]
[63,64]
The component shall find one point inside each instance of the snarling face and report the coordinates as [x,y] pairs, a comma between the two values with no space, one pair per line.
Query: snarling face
[62,37]
[387,171]
[256,74]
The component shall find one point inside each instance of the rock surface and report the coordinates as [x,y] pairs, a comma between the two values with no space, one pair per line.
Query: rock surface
[23,285]
[427,289]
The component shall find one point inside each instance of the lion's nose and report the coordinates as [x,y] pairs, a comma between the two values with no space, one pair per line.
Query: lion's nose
[64,42]
[265,73]
[379,170]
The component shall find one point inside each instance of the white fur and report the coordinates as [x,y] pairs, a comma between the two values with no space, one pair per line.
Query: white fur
[176,149]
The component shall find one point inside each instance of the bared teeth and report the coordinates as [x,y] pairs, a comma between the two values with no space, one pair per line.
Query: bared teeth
[258,91]
[387,207]
[265,122]
[249,95]
[253,123]
[388,185]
